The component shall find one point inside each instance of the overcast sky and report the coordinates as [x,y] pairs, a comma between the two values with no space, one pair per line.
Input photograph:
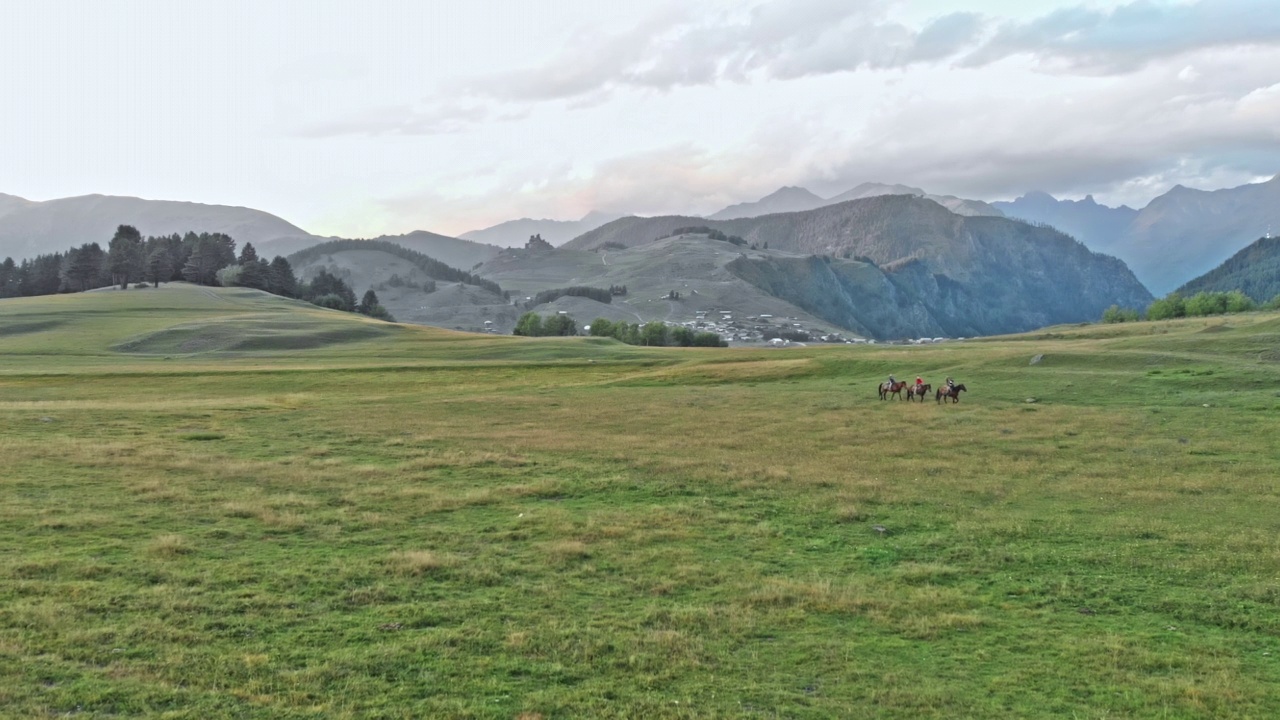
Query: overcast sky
[363,117]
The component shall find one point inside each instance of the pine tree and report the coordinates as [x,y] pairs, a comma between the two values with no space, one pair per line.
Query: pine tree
[281,280]
[82,267]
[253,273]
[158,266]
[125,255]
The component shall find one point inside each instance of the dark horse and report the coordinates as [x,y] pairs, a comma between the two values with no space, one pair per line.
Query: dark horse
[950,392]
[918,391]
[888,388]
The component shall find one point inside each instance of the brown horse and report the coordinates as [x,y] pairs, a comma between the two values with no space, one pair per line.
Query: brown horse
[953,393]
[918,391]
[888,388]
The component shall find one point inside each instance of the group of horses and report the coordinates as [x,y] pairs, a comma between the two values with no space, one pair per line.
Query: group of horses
[952,393]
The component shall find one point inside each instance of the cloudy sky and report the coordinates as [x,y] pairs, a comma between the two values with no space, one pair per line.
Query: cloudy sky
[363,117]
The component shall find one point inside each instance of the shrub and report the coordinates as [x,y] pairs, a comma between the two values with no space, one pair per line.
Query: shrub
[1206,303]
[600,327]
[529,325]
[228,276]
[1117,314]
[1171,306]
[331,301]
[1239,302]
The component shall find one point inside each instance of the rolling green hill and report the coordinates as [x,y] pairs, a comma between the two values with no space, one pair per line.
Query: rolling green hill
[389,521]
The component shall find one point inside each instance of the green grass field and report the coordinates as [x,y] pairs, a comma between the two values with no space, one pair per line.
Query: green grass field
[216,503]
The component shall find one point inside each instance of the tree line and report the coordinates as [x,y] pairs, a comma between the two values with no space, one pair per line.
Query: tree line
[531,324]
[202,259]
[709,232]
[654,334]
[1202,304]
[128,258]
[598,294]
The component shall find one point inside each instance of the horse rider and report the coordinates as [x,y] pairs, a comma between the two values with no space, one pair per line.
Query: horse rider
[951,384]
[919,383]
[892,381]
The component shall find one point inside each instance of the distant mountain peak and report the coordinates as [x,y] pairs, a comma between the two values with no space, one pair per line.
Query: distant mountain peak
[1038,196]
[784,199]
[791,190]
[598,218]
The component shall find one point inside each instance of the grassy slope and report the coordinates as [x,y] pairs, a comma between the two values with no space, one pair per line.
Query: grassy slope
[691,264]
[424,523]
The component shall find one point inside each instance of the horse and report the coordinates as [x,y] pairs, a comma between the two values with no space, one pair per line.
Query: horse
[888,388]
[950,392]
[918,391]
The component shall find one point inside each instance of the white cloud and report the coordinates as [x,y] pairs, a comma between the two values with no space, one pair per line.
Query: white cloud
[779,39]
[1128,37]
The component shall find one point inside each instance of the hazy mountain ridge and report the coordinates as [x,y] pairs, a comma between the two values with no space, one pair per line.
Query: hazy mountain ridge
[797,199]
[1175,237]
[456,252]
[30,228]
[787,199]
[514,233]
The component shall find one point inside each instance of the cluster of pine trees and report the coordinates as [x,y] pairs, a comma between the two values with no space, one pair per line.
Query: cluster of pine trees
[203,259]
[128,258]
[329,290]
[656,334]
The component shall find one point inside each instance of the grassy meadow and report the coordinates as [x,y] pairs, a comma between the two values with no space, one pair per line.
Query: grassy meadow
[217,503]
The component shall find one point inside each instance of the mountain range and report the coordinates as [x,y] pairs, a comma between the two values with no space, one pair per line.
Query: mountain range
[1171,240]
[798,199]
[951,266]
[958,275]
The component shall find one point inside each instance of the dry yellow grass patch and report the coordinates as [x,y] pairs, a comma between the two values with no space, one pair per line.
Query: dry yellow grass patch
[925,573]
[849,514]
[169,545]
[421,562]
[241,509]
[287,520]
[291,500]
[568,550]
